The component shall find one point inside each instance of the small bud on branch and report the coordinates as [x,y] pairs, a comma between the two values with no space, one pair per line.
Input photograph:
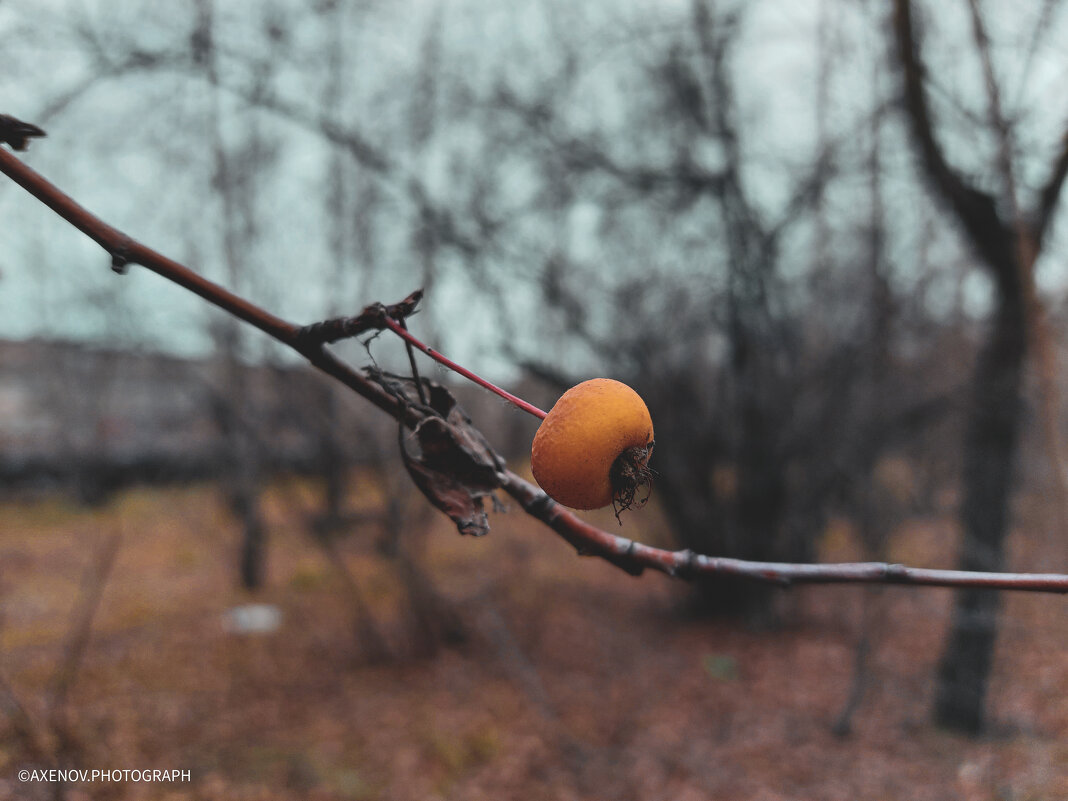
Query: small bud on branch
[17,133]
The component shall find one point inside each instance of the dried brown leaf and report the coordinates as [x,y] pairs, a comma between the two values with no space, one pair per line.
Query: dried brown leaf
[455,467]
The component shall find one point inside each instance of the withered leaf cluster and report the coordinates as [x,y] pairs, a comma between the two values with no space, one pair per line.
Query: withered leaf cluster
[449,459]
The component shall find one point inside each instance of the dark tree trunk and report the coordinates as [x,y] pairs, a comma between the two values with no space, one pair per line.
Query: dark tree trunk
[1010,249]
[333,468]
[723,498]
[241,460]
[242,488]
[253,553]
[989,454]
[759,514]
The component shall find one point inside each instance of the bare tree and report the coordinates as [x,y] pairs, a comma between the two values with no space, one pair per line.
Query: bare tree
[1008,242]
[234,176]
[772,396]
[772,407]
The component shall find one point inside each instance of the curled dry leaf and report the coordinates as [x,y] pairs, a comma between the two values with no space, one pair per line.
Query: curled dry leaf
[455,467]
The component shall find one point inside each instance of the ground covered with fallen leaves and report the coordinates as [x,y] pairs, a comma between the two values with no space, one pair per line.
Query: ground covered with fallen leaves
[575,681]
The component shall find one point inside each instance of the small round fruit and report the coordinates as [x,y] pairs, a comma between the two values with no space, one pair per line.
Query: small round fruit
[593,447]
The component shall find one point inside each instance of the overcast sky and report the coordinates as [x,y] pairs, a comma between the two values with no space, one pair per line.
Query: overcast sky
[130,145]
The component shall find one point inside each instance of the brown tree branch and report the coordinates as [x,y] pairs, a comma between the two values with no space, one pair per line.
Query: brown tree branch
[125,251]
[1050,195]
[1028,233]
[975,210]
[93,584]
[634,557]
[372,318]
[996,116]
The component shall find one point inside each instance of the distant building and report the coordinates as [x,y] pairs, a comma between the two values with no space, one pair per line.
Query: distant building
[71,413]
[93,418]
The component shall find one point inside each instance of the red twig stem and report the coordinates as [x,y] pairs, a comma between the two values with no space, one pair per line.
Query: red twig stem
[408,337]
[629,555]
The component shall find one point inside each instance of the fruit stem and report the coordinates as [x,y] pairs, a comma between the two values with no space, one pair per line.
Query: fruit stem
[408,337]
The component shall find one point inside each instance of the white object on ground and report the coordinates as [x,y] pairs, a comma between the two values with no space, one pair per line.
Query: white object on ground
[252,619]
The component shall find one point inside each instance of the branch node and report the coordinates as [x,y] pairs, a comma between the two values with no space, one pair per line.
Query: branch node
[627,560]
[406,308]
[540,506]
[372,318]
[120,258]
[896,573]
[684,566]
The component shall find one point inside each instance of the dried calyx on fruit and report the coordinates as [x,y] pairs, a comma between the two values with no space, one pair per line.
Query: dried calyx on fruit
[593,447]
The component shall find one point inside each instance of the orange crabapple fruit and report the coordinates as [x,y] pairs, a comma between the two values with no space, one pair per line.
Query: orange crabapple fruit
[593,447]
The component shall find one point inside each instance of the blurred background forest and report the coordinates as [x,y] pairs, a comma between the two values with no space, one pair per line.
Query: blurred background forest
[822,239]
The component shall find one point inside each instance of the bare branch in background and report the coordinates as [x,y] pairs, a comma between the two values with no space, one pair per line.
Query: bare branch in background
[1051,193]
[975,210]
[93,583]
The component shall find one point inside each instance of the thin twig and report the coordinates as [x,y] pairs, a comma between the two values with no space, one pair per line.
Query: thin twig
[403,333]
[634,557]
[93,583]
[33,734]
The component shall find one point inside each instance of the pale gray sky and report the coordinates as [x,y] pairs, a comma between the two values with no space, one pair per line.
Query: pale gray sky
[131,147]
